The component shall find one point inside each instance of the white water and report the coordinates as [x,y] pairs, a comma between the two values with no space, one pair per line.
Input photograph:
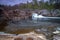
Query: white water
[35,16]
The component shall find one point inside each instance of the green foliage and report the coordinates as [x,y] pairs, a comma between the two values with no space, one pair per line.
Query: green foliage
[33,5]
[41,5]
[46,6]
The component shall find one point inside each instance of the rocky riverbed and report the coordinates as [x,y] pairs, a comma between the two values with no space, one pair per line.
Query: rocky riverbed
[15,25]
[40,27]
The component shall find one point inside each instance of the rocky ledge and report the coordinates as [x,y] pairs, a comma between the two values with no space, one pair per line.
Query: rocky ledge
[26,36]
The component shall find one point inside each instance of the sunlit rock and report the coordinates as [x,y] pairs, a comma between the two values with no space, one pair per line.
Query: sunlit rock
[33,36]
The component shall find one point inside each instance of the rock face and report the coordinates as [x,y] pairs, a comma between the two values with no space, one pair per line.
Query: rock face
[27,36]
[3,19]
